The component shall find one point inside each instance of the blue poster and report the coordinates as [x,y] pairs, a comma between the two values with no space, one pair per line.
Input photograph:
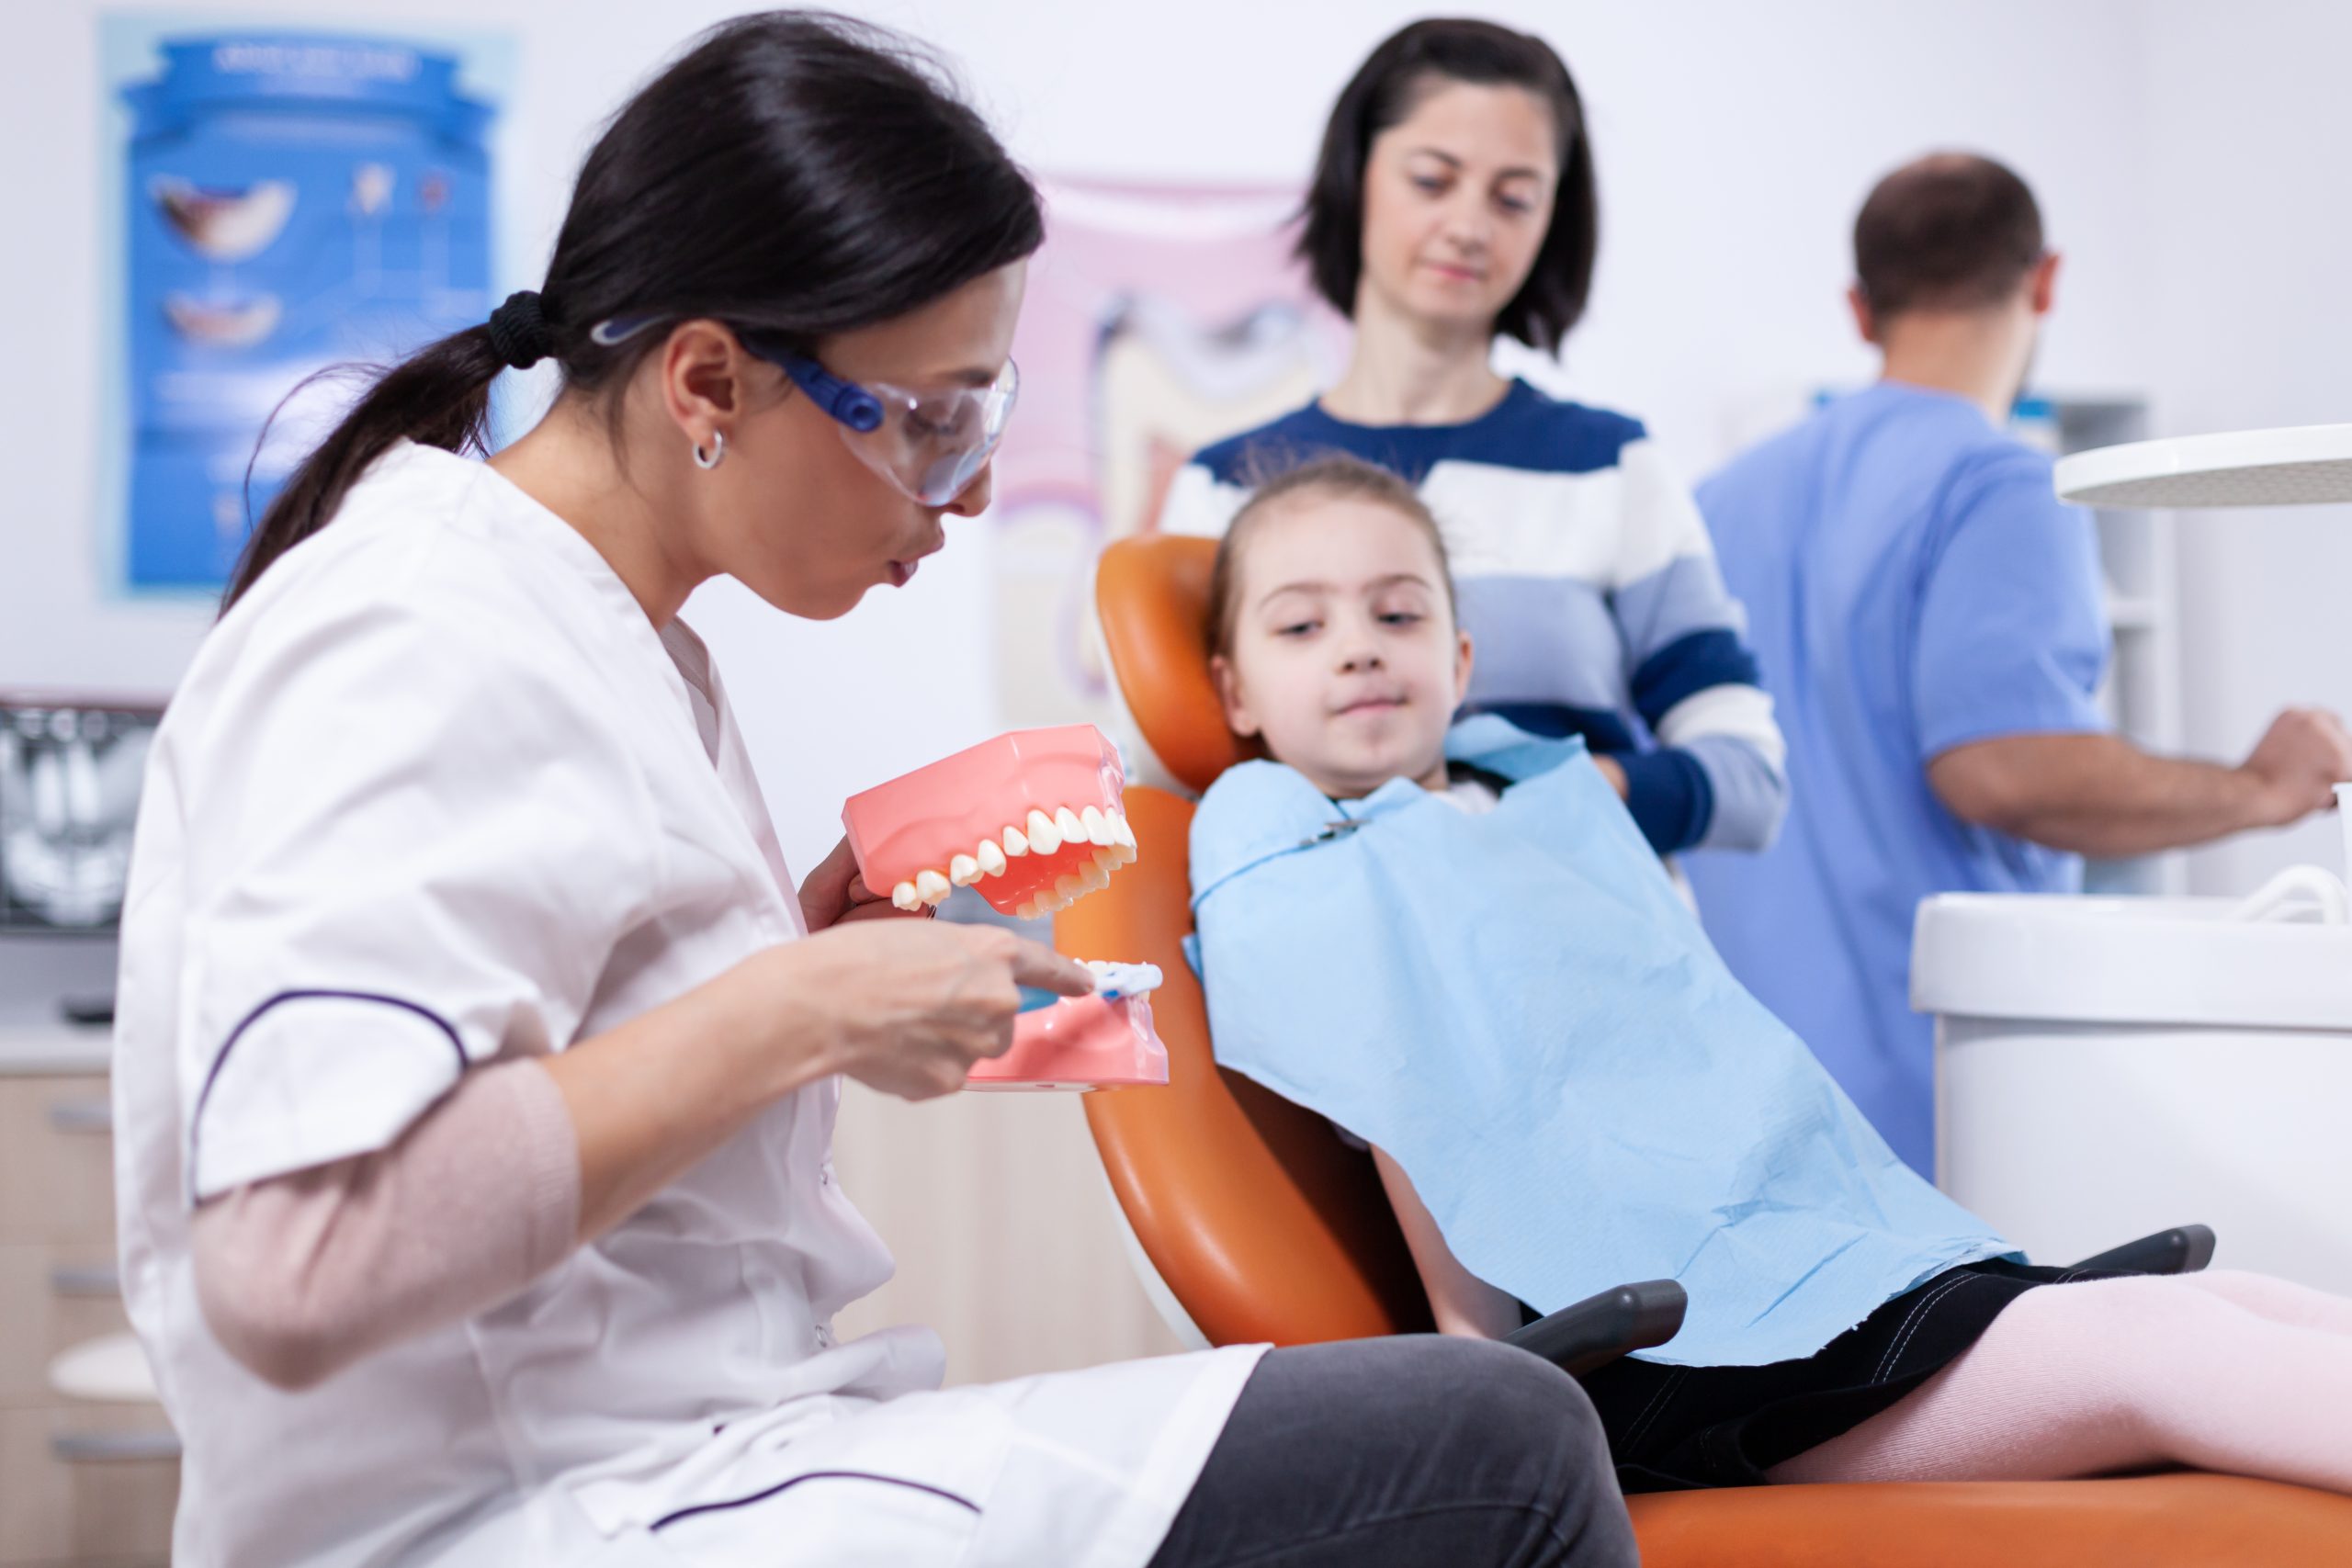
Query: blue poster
[294,203]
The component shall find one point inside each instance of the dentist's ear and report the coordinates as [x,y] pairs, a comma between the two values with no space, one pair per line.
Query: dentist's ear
[1229,693]
[702,369]
[1465,656]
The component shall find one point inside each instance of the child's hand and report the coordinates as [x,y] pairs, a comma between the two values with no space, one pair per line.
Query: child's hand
[1614,772]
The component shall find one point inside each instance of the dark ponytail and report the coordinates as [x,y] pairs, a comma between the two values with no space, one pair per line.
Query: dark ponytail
[795,173]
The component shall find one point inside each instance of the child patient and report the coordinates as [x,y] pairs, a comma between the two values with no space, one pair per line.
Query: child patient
[1450,939]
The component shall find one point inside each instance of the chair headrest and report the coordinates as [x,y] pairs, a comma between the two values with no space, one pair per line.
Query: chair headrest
[1152,592]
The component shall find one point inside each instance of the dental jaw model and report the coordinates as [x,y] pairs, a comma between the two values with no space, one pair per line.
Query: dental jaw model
[1033,820]
[1104,1041]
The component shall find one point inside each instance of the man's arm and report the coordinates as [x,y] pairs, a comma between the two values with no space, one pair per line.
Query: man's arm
[2100,795]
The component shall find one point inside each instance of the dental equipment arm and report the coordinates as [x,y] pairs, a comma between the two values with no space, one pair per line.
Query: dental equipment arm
[1460,1302]
[2100,795]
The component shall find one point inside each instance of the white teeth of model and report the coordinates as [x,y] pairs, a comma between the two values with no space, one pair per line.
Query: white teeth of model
[1069,888]
[1108,860]
[1121,833]
[1025,910]
[1094,878]
[991,858]
[1050,905]
[1067,824]
[963,871]
[1016,843]
[932,887]
[1098,828]
[905,897]
[1127,853]
[1044,837]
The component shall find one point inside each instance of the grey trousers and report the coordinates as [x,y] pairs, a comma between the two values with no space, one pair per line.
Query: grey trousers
[1416,1449]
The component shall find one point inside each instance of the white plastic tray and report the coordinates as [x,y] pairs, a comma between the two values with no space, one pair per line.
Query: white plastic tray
[2304,466]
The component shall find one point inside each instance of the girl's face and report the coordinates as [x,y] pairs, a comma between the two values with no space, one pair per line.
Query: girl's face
[792,512]
[1346,661]
[1457,198]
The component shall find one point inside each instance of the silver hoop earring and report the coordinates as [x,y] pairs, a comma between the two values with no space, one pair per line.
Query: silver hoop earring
[717,454]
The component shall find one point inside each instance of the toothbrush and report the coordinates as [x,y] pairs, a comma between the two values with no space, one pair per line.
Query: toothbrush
[1112,982]
[1116,980]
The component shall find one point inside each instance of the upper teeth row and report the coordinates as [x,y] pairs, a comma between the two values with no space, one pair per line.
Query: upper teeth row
[1114,843]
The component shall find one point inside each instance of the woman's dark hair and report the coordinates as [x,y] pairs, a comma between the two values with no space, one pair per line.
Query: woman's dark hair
[795,173]
[1384,92]
[1279,484]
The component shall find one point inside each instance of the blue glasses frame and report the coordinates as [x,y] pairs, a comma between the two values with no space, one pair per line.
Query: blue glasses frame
[858,411]
[846,402]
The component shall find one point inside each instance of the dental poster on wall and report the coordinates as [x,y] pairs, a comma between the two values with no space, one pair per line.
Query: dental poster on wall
[1158,319]
[288,202]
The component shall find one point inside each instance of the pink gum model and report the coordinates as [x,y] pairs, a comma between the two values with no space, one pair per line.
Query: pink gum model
[1084,1043]
[1033,819]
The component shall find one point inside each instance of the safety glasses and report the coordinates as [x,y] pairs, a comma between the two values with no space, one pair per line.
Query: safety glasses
[931,445]
[928,444]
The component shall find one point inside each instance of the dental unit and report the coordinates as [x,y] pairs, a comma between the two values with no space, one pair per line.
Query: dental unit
[1104,1041]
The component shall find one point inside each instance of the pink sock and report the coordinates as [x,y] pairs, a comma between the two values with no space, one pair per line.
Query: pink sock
[2228,1372]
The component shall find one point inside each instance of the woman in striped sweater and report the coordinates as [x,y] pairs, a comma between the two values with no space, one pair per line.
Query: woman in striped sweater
[1453,199]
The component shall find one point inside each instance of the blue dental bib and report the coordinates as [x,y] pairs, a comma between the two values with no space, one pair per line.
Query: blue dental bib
[1520,1010]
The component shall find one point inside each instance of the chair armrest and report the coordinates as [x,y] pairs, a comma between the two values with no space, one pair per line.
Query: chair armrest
[1598,1329]
[2183,1250]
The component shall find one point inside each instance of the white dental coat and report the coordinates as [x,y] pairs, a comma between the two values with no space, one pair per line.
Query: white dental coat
[437,793]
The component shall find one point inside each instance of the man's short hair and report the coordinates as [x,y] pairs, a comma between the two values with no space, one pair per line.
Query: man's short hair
[1951,231]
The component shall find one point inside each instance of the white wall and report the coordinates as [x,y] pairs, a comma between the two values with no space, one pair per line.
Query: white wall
[2252,312]
[1735,142]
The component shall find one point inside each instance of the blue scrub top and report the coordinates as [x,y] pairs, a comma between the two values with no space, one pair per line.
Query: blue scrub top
[1912,584]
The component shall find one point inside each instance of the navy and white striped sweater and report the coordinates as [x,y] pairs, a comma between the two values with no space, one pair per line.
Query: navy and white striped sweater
[1589,584]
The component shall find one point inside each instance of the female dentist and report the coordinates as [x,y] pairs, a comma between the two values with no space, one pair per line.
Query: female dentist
[476,1070]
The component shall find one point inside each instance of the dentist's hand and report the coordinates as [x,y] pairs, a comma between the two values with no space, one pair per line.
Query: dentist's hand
[904,1006]
[834,892]
[911,1005]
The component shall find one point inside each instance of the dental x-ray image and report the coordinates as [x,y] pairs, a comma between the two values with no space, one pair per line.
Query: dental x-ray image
[69,793]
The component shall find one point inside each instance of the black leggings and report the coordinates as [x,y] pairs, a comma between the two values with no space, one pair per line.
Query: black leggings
[1416,1449]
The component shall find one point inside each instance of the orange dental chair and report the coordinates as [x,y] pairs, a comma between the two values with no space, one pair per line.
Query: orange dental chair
[1263,1226]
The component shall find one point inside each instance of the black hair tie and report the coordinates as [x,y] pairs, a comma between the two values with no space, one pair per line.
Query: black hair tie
[518,330]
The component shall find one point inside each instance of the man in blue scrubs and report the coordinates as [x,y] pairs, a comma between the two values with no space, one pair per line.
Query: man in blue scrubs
[1931,628]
